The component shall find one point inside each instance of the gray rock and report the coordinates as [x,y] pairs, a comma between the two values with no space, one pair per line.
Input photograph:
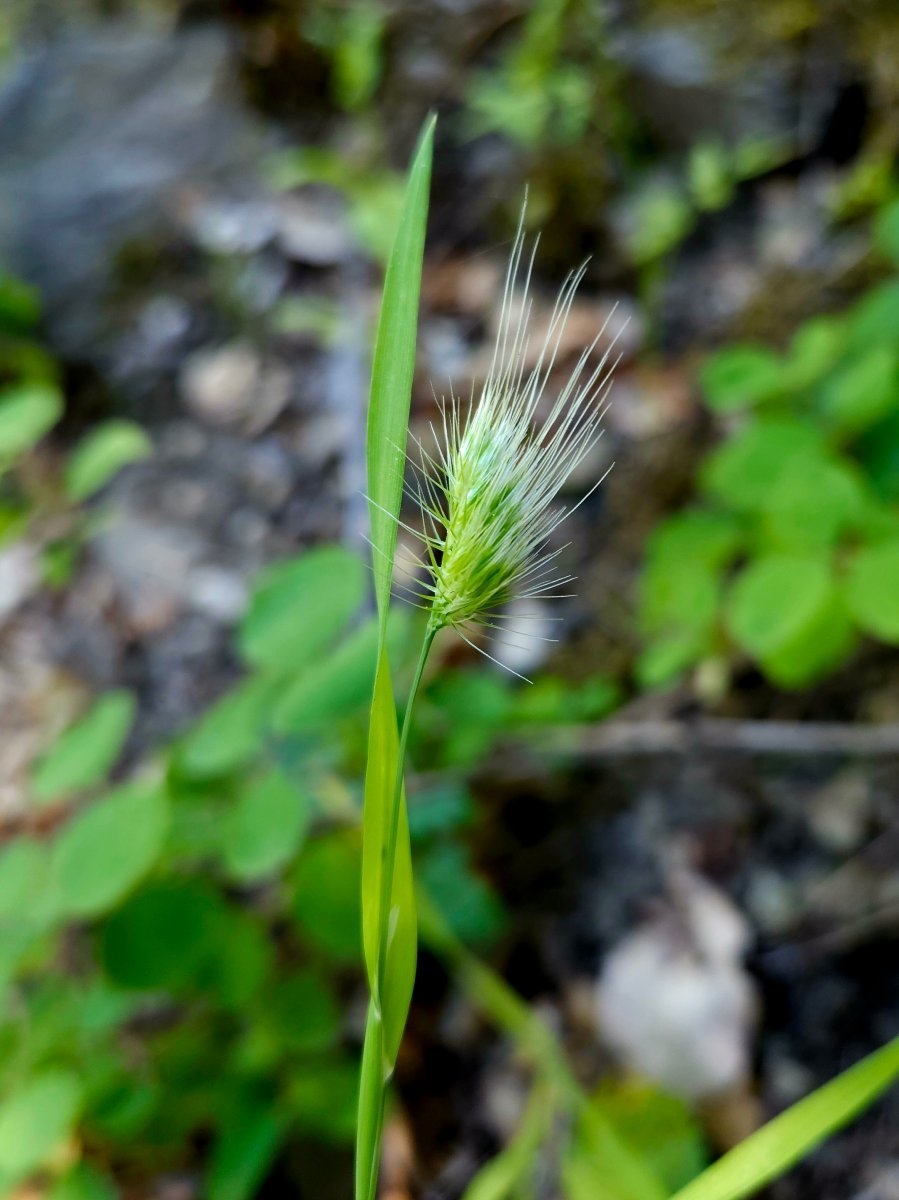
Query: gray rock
[103,138]
[231,386]
[217,593]
[150,564]
[20,576]
[773,901]
[225,226]
[268,474]
[690,81]
[673,999]
[840,813]
[884,1185]
[312,228]
[247,529]
[182,441]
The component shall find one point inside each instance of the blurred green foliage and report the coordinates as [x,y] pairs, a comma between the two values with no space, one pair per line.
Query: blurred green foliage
[31,405]
[190,937]
[660,1126]
[351,36]
[177,950]
[791,554]
[537,91]
[215,906]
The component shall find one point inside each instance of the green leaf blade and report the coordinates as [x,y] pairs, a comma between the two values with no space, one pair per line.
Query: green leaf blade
[102,454]
[380,778]
[264,828]
[107,849]
[231,732]
[741,376]
[393,366]
[35,1119]
[299,608]
[741,472]
[243,1153]
[781,1143]
[785,610]
[326,895]
[87,750]
[872,590]
[139,949]
[332,688]
[27,412]
[370,1123]
[389,946]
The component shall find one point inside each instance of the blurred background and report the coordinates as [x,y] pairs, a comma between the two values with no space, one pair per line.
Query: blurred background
[679,843]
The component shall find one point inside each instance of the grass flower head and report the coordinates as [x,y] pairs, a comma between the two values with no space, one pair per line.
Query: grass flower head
[489,495]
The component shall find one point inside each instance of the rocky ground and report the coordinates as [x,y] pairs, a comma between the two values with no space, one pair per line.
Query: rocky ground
[232,319]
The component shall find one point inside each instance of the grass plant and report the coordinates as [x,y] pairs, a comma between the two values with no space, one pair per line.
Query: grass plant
[488,501]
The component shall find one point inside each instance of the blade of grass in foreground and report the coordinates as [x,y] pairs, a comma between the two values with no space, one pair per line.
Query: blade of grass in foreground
[393,364]
[784,1141]
[389,944]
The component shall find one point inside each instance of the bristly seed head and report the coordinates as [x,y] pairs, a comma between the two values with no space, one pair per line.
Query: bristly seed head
[487,498]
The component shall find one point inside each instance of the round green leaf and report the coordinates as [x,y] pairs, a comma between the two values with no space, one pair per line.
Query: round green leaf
[443,808]
[694,536]
[741,376]
[466,901]
[35,1119]
[23,876]
[338,685]
[814,349]
[786,613]
[662,217]
[813,504]
[194,838]
[878,451]
[875,318]
[879,521]
[710,175]
[742,472]
[872,590]
[864,391]
[300,607]
[326,900]
[341,684]
[886,231]
[773,599]
[27,412]
[264,828]
[660,1127]
[87,751]
[102,454]
[163,936]
[230,733]
[682,597]
[304,1012]
[665,658]
[244,1152]
[242,961]
[100,855]
[323,1099]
